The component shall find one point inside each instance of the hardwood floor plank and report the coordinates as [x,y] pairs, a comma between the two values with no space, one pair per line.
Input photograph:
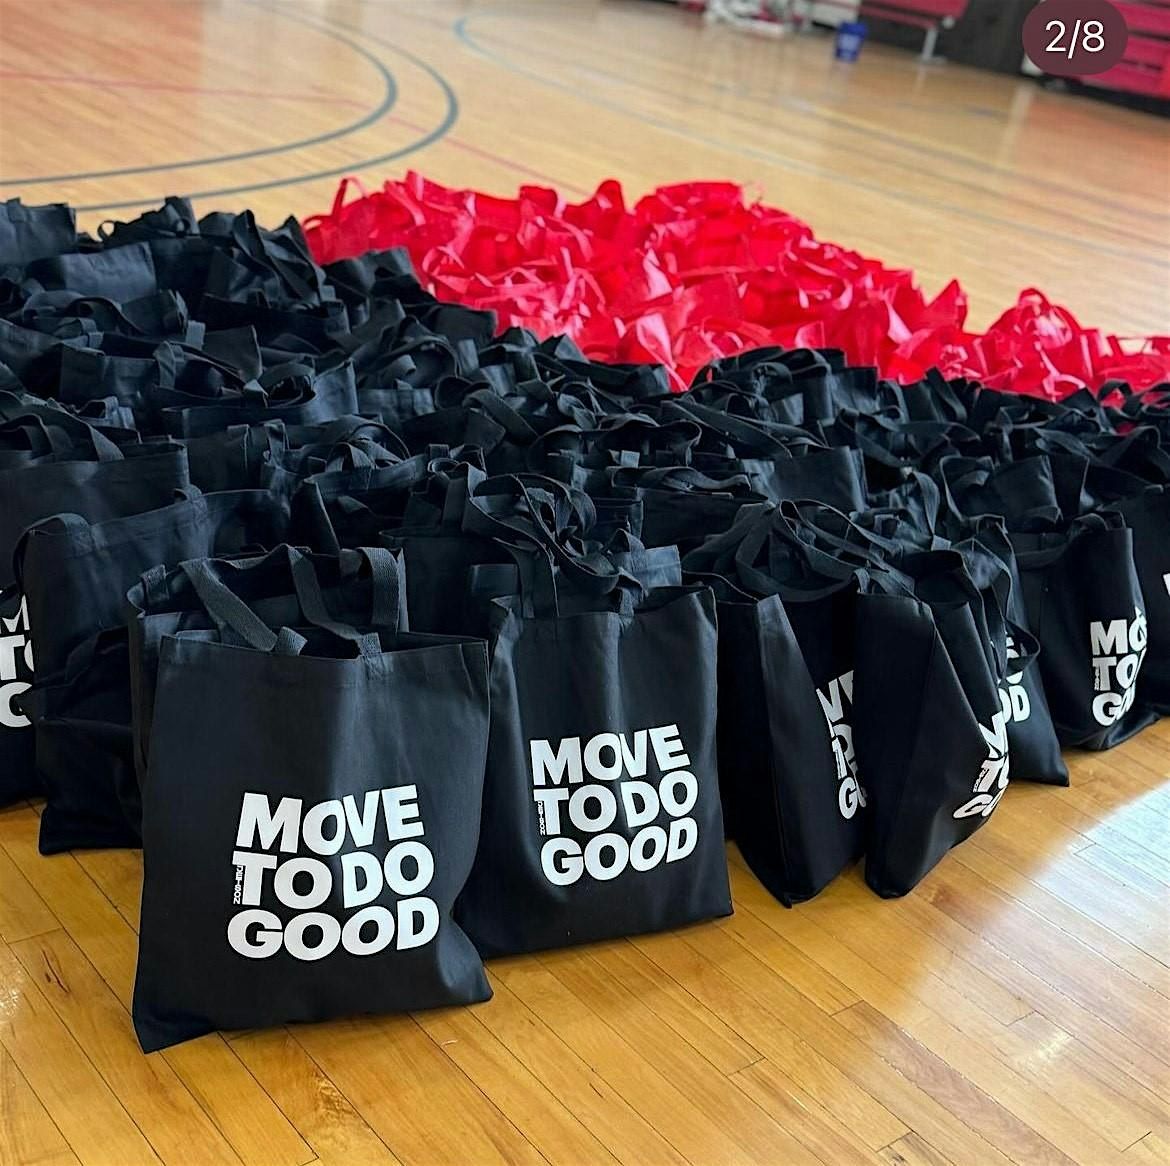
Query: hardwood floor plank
[978,1044]
[912,1151]
[815,982]
[1124,1049]
[794,1044]
[697,1133]
[1082,902]
[833,924]
[819,1055]
[22,910]
[950,1088]
[625,1133]
[28,1136]
[1113,993]
[83,1107]
[83,911]
[522,1098]
[1150,750]
[416,1100]
[674,1006]
[824,1135]
[748,1133]
[310,1101]
[1041,839]
[1098,832]
[157,1101]
[246,1116]
[1104,1095]
[1130,872]
[118,875]
[1152,1150]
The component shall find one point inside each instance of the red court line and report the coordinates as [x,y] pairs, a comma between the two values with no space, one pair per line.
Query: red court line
[172,87]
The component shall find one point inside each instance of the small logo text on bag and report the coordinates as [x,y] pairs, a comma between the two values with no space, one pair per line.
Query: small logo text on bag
[1119,647]
[16,664]
[850,792]
[994,772]
[1017,705]
[303,883]
[592,808]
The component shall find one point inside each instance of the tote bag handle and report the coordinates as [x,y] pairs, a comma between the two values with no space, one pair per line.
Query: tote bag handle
[541,553]
[78,432]
[233,615]
[797,510]
[385,586]
[684,479]
[760,533]
[570,507]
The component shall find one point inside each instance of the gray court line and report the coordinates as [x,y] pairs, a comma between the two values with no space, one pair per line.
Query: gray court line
[389,98]
[450,117]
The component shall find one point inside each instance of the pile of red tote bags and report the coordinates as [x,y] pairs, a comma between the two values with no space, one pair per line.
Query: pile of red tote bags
[693,272]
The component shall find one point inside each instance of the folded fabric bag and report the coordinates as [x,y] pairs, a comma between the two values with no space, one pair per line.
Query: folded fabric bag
[310,814]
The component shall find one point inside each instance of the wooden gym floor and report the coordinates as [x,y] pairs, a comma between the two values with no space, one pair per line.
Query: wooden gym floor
[1013,1009]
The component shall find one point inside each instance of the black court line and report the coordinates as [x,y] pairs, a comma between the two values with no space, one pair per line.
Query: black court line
[450,117]
[387,103]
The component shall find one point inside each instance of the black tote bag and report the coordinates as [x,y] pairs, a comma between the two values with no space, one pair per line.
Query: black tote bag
[1147,514]
[352,507]
[1034,745]
[680,506]
[116,482]
[18,776]
[1085,605]
[440,552]
[930,729]
[235,457]
[293,393]
[120,273]
[122,481]
[34,232]
[786,753]
[601,799]
[786,747]
[309,820]
[75,575]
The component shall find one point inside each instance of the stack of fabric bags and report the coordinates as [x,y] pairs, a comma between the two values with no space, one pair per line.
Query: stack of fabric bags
[398,641]
[693,272]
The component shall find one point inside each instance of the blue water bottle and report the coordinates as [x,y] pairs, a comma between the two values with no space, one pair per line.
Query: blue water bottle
[850,37]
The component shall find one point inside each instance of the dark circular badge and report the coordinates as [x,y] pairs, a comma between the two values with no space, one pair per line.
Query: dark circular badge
[1075,38]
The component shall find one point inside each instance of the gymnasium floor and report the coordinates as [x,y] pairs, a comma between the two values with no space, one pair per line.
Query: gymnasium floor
[1013,1009]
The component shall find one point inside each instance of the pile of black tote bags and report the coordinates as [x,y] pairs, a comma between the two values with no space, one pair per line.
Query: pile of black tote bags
[397,643]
